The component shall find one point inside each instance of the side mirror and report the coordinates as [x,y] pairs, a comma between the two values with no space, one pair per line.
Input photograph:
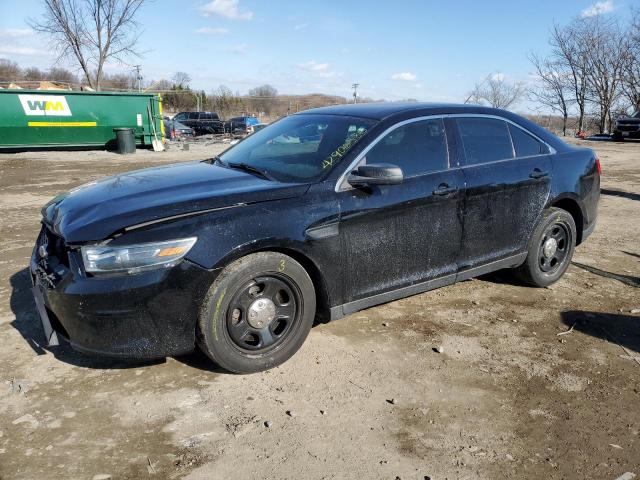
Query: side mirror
[376,174]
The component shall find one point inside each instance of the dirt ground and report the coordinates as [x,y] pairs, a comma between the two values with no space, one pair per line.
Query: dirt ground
[514,394]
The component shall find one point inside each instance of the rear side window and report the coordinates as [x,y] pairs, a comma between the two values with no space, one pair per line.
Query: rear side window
[206,116]
[524,143]
[417,148]
[485,140]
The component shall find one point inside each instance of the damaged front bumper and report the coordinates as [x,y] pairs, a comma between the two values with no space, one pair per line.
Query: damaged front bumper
[146,315]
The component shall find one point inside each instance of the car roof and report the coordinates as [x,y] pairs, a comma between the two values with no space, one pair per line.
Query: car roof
[381,110]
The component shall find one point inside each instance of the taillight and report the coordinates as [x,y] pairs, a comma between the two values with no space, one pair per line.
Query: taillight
[598,166]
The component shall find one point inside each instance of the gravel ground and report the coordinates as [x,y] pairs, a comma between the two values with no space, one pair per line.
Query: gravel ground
[485,379]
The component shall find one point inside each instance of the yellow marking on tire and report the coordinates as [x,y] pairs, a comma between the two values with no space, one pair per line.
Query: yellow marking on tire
[215,314]
[281,266]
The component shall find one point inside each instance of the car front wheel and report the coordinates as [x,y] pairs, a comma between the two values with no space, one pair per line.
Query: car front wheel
[550,249]
[257,313]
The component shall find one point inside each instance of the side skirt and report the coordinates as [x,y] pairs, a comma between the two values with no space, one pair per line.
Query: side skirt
[357,305]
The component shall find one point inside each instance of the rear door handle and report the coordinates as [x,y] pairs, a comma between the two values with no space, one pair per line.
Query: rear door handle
[537,173]
[444,189]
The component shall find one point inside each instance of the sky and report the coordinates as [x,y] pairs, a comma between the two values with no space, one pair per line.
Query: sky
[427,50]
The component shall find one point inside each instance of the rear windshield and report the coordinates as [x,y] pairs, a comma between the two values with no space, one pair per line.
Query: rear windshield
[300,148]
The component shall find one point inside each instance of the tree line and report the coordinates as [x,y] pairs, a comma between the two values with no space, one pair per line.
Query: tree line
[592,71]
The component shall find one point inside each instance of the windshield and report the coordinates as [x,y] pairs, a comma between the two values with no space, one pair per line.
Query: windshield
[299,148]
[636,114]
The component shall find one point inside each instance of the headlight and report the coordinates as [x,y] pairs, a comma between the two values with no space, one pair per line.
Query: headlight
[135,258]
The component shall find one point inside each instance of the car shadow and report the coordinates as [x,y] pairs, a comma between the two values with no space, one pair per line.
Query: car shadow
[637,255]
[27,323]
[623,330]
[620,193]
[626,279]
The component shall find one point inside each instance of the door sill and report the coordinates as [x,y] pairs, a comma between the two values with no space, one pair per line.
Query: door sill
[386,297]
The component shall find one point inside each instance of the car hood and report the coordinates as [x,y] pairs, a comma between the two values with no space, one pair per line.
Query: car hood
[98,209]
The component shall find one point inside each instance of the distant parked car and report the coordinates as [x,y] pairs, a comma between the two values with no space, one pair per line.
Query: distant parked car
[259,126]
[241,125]
[201,122]
[627,127]
[174,129]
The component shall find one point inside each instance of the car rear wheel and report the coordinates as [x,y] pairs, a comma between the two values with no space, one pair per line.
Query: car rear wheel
[550,249]
[257,313]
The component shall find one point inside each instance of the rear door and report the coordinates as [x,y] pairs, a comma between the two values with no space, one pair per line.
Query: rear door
[507,183]
[397,236]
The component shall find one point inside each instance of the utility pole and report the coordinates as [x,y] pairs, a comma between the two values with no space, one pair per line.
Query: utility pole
[138,76]
[355,92]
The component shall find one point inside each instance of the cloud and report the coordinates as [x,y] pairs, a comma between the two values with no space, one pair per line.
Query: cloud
[300,26]
[321,70]
[239,49]
[212,31]
[15,32]
[226,8]
[404,77]
[314,66]
[13,50]
[598,8]
[498,77]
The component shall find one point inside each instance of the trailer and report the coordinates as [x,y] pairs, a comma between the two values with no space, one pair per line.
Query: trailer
[40,119]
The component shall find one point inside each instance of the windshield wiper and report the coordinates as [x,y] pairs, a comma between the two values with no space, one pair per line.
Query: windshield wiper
[248,168]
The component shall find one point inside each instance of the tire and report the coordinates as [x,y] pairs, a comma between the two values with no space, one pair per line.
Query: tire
[257,313]
[617,137]
[543,267]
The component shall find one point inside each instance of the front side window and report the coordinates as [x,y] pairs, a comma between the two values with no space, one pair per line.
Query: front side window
[417,147]
[180,117]
[194,115]
[300,148]
[485,139]
[524,144]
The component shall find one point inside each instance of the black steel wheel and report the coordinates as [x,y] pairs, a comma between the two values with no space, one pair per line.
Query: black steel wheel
[550,248]
[262,313]
[257,313]
[554,247]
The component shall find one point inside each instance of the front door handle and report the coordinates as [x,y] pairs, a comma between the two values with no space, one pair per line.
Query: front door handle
[444,189]
[537,173]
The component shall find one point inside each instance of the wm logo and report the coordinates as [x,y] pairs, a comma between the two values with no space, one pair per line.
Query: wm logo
[45,105]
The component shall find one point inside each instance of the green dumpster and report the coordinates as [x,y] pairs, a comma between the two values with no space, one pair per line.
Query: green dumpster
[61,118]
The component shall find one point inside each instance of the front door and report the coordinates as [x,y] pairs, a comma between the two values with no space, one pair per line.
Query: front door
[396,236]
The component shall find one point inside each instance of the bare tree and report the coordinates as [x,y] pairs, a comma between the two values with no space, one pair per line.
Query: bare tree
[264,98]
[497,92]
[631,69]
[33,73]
[9,71]
[58,74]
[552,88]
[570,53]
[225,102]
[607,50]
[181,80]
[91,32]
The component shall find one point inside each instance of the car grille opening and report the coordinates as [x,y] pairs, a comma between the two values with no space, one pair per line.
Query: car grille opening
[54,245]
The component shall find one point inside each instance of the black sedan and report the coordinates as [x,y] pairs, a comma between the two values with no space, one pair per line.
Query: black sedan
[240,253]
[175,130]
